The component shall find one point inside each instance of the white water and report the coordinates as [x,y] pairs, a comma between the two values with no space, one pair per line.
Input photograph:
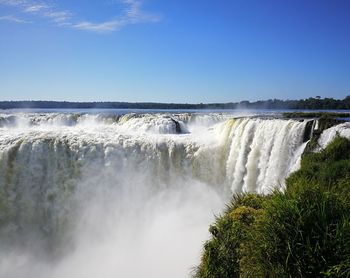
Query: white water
[328,135]
[128,196]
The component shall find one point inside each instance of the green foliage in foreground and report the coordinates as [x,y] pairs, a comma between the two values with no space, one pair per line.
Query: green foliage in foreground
[303,232]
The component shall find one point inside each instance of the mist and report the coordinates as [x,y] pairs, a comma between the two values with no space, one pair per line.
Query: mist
[129,231]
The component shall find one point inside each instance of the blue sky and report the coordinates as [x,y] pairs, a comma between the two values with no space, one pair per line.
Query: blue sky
[174,51]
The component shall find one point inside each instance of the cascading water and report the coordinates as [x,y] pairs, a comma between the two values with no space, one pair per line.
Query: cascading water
[128,195]
[328,135]
[262,153]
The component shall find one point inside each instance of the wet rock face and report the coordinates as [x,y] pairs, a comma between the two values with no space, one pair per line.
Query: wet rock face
[308,131]
[177,126]
[327,122]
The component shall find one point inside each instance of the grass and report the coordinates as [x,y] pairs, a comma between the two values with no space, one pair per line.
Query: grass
[302,232]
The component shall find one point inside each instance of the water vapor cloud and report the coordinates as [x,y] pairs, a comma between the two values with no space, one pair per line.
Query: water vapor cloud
[131,13]
[13,18]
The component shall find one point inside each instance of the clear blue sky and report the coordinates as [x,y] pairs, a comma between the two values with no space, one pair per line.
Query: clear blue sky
[174,50]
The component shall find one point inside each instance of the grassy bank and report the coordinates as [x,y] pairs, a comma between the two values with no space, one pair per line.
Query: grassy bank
[311,115]
[303,232]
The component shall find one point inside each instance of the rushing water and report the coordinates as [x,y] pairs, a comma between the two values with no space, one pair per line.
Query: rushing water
[128,195]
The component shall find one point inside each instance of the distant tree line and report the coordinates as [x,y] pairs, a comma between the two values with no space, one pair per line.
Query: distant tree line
[309,103]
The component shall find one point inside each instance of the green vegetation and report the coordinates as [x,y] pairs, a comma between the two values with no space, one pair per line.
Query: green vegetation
[302,232]
[310,115]
[309,103]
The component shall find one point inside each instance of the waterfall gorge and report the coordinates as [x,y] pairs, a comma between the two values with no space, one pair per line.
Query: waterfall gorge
[104,195]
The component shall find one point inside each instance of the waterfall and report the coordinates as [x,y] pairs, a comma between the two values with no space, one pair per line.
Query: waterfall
[62,174]
[262,153]
[248,154]
[329,134]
